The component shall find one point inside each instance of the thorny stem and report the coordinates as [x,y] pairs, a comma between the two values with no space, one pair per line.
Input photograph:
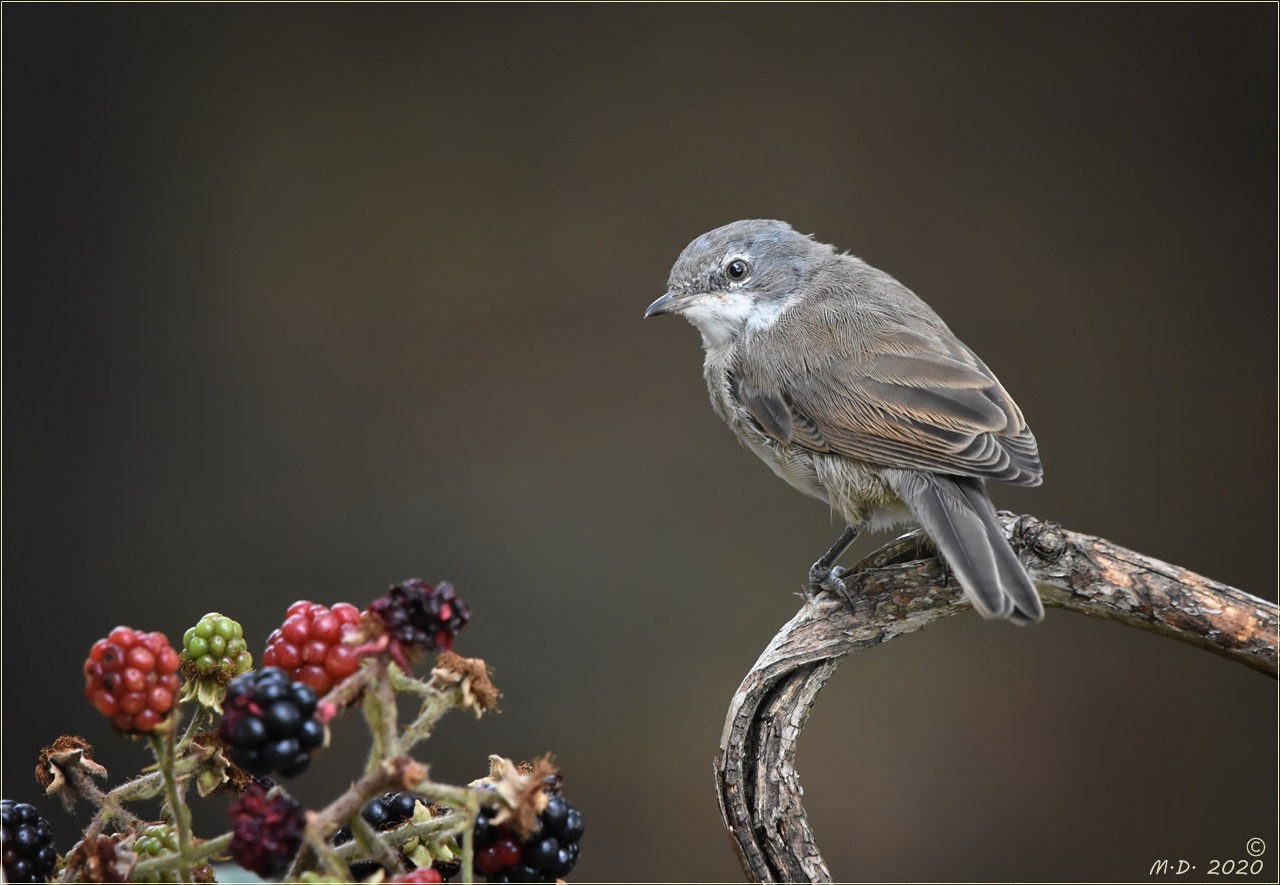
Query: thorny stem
[389,762]
[373,714]
[428,830]
[389,721]
[383,718]
[110,805]
[192,726]
[372,842]
[322,823]
[324,853]
[435,706]
[466,801]
[163,746]
[345,692]
[402,681]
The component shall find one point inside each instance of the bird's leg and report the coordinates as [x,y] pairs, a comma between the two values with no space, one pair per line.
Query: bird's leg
[825,574]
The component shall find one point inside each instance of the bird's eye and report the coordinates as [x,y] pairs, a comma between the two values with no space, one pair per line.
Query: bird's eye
[737,269]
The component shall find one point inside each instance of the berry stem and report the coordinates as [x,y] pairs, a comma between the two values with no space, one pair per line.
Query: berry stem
[328,859]
[402,681]
[436,703]
[382,716]
[433,830]
[391,774]
[110,805]
[346,691]
[193,726]
[372,842]
[163,746]
[467,802]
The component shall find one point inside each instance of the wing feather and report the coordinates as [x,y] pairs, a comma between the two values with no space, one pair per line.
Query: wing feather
[903,398]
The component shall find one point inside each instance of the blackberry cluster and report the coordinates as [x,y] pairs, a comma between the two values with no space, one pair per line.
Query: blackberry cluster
[390,811]
[266,831]
[269,724]
[131,677]
[27,843]
[420,616]
[547,854]
[309,644]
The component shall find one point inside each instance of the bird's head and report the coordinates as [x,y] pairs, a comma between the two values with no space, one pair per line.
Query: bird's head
[737,277]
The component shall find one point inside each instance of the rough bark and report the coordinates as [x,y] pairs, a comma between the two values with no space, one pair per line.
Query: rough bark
[895,592]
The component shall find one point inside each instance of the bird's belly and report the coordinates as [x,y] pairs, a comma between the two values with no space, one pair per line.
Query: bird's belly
[793,465]
[851,488]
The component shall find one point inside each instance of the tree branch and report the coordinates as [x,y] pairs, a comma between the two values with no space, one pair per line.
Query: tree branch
[895,593]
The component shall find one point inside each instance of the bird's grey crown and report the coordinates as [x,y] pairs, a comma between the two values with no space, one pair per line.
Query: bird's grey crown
[776,251]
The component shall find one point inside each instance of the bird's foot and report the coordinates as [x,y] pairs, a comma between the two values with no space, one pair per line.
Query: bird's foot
[829,579]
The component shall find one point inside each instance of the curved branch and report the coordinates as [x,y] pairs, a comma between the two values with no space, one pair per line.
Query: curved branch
[895,593]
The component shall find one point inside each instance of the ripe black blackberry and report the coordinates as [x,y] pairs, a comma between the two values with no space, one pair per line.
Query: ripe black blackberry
[27,842]
[269,724]
[422,617]
[266,831]
[548,853]
[385,813]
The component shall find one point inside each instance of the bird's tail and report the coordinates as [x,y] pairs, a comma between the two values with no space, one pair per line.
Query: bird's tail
[957,514]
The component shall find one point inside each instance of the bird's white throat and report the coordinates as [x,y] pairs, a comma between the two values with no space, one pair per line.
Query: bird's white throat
[723,316]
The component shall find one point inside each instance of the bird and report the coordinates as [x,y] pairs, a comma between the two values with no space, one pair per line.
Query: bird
[855,392]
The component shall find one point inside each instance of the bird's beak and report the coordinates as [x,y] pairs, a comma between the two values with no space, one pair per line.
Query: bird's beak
[665,304]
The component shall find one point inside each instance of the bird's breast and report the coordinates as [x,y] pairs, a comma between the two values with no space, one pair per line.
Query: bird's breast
[852,488]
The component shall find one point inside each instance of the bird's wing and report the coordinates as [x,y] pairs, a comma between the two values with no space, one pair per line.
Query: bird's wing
[918,400]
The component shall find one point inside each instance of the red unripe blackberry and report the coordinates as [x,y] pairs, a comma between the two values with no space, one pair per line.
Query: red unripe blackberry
[131,677]
[309,647]
[266,831]
[269,723]
[27,843]
[422,617]
[498,855]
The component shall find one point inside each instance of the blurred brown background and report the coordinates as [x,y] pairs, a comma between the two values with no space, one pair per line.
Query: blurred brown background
[302,300]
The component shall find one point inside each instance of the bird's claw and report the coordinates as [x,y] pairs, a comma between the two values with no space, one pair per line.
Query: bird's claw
[829,580]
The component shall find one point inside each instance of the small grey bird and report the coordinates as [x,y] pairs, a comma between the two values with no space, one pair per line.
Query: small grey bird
[854,391]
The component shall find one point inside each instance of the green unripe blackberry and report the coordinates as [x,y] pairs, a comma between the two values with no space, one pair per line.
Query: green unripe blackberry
[157,839]
[215,648]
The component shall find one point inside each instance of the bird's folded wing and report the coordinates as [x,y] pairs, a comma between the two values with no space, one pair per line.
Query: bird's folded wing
[905,399]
